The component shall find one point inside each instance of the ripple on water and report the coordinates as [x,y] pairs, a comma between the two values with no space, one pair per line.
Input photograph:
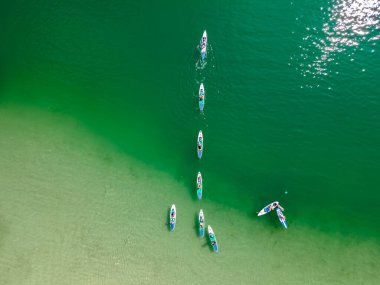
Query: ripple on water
[346,25]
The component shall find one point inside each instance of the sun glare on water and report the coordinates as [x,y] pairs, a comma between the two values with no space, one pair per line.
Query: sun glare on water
[346,26]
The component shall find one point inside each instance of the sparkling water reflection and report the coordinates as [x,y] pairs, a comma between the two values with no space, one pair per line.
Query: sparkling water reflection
[347,24]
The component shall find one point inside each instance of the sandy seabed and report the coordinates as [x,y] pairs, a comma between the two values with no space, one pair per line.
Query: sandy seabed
[75,210]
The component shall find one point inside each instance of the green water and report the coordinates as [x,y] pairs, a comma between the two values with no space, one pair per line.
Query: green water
[291,107]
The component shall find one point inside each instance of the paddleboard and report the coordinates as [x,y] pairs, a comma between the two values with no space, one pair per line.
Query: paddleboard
[268,208]
[201,100]
[212,237]
[281,217]
[200,144]
[201,220]
[199,185]
[173,217]
[204,45]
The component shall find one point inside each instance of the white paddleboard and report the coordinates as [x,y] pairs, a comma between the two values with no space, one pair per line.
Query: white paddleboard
[268,208]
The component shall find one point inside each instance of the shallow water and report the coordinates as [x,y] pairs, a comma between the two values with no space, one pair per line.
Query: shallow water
[76,210]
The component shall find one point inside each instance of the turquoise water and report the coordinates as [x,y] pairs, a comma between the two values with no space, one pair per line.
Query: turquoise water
[291,107]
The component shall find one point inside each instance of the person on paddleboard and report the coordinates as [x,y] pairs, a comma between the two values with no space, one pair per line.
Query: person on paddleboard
[273,206]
